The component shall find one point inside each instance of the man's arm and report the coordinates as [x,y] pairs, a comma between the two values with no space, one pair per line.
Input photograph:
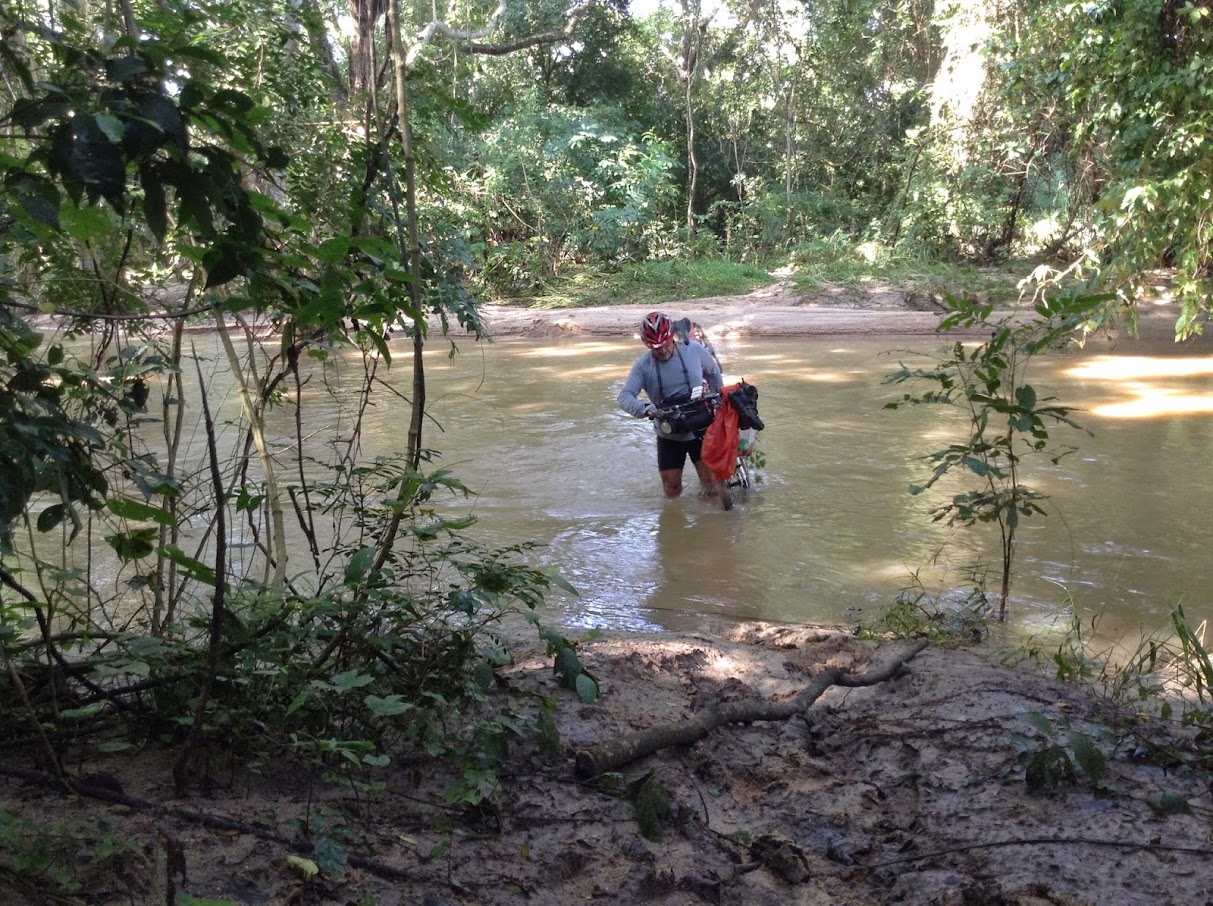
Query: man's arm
[711,370]
[629,401]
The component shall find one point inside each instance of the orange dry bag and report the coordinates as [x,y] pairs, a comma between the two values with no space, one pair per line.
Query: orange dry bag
[720,442]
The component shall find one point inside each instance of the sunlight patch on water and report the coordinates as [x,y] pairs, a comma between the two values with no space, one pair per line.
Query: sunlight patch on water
[1155,402]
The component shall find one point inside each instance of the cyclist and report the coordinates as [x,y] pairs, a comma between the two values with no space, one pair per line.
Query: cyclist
[671,372]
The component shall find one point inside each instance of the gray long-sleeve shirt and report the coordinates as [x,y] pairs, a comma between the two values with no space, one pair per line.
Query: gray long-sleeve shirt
[700,367]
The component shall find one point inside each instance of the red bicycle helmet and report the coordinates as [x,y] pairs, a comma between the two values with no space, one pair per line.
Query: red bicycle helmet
[655,330]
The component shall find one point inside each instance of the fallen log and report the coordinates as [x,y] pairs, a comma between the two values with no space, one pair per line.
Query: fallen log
[611,756]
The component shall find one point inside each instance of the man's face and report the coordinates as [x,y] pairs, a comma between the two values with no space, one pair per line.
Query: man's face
[663,353]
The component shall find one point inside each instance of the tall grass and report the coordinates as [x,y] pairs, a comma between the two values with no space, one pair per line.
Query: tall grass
[654,283]
[840,261]
[833,261]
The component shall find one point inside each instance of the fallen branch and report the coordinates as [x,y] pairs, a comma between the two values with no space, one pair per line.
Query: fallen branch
[1152,846]
[613,755]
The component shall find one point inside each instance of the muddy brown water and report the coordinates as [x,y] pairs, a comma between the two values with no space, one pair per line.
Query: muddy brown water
[831,534]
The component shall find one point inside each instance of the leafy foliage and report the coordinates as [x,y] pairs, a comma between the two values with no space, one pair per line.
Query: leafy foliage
[1165,674]
[52,416]
[47,862]
[1006,418]
[1063,753]
[193,637]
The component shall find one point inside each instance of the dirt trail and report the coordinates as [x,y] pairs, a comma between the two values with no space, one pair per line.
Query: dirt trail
[911,791]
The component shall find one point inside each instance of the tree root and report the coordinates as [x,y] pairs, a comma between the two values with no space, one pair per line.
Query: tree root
[611,756]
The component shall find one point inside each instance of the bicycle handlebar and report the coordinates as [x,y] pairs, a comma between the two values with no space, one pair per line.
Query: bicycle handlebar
[712,397]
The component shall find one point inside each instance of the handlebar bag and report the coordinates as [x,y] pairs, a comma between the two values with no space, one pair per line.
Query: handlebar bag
[687,418]
[692,421]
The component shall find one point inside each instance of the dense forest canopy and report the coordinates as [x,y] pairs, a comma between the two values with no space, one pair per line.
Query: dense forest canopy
[549,138]
[339,170]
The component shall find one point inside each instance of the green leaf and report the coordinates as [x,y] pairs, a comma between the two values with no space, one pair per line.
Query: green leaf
[200,53]
[388,706]
[194,568]
[567,666]
[51,517]
[482,673]
[330,856]
[1167,803]
[587,688]
[38,197]
[1048,768]
[95,161]
[652,806]
[80,713]
[155,207]
[247,502]
[977,466]
[134,544]
[1087,754]
[165,115]
[125,69]
[122,668]
[305,867]
[111,126]
[349,680]
[233,101]
[359,565]
[223,263]
[85,225]
[137,510]
[559,581]
[1040,722]
[333,250]
[439,849]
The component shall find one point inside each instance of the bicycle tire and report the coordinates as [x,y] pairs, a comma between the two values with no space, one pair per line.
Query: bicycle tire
[741,479]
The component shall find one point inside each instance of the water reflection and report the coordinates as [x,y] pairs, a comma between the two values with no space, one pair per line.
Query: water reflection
[834,535]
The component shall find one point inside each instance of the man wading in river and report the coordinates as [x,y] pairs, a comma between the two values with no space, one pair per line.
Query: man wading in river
[670,373]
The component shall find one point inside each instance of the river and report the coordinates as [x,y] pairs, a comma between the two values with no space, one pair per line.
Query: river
[832,535]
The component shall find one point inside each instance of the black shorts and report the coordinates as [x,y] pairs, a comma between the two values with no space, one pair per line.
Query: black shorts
[672,454]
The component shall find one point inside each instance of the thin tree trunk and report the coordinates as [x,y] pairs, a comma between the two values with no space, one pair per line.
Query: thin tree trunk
[414,240]
[413,250]
[276,543]
[218,605]
[165,592]
[692,161]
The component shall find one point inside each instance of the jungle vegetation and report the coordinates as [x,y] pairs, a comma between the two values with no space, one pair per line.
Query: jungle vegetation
[305,177]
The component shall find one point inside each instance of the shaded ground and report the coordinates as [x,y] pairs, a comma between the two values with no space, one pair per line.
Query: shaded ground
[911,791]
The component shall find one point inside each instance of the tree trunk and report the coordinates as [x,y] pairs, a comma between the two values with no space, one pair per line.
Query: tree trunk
[366,15]
[961,78]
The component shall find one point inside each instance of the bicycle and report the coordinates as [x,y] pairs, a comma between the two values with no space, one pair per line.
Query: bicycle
[679,417]
[737,485]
